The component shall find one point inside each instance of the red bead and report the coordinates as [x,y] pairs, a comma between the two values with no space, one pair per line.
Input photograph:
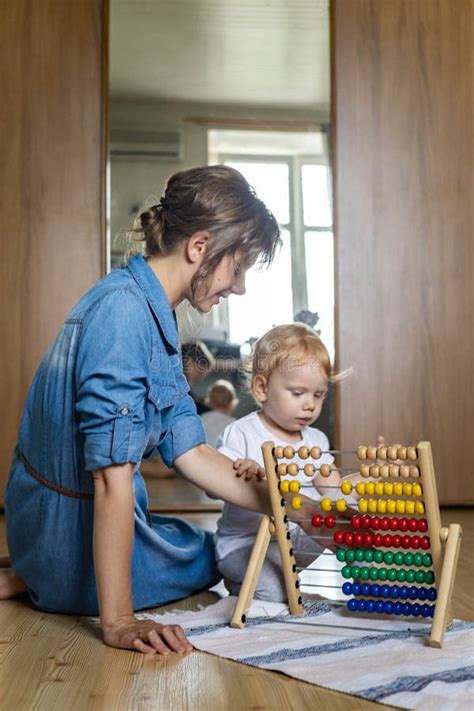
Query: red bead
[387,540]
[412,524]
[384,523]
[375,523]
[406,542]
[365,521]
[378,539]
[355,522]
[403,524]
[422,525]
[339,537]
[396,541]
[368,538]
[358,539]
[330,521]
[349,539]
[415,541]
[425,543]
[317,520]
[394,524]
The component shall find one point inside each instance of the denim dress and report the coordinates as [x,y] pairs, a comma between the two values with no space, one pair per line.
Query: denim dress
[110,390]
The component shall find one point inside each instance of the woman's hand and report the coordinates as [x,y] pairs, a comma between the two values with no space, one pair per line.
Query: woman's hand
[146,636]
[249,470]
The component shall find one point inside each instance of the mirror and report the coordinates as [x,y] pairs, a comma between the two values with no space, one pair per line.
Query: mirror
[245,83]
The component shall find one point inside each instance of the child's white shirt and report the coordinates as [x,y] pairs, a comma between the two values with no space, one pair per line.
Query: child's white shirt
[243,439]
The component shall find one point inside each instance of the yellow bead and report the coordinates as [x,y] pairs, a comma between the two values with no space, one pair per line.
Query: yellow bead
[326,504]
[295,486]
[346,487]
[417,490]
[284,486]
[281,469]
[316,452]
[371,452]
[391,506]
[388,488]
[419,507]
[309,469]
[341,505]
[398,488]
[303,452]
[360,488]
[362,452]
[372,506]
[293,469]
[400,506]
[296,502]
[278,452]
[374,471]
[289,452]
[370,488]
[410,507]
[379,488]
[362,505]
[381,506]
[365,470]
[407,489]
[325,470]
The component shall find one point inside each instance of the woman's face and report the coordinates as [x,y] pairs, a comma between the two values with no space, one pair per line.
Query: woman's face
[227,278]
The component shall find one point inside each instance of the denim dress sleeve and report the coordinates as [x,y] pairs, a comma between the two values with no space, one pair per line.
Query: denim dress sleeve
[186,431]
[113,379]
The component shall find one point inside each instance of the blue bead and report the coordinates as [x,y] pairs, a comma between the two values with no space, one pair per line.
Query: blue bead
[422,593]
[356,589]
[365,589]
[352,605]
[385,591]
[416,610]
[387,607]
[406,609]
[375,590]
[432,610]
[397,608]
[413,593]
[379,606]
[361,605]
[347,588]
[404,592]
[431,594]
[370,606]
[395,592]
[425,610]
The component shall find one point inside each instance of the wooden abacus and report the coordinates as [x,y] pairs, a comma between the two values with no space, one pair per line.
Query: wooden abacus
[396,501]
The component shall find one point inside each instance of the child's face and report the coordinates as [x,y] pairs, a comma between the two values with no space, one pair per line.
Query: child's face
[294,394]
[227,278]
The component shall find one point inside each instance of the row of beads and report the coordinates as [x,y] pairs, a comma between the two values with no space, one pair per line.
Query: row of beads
[390,452]
[308,469]
[389,524]
[379,541]
[303,452]
[391,608]
[391,506]
[350,555]
[386,470]
[394,591]
[391,574]
[386,488]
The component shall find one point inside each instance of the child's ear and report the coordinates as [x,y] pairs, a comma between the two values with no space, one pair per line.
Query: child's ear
[259,388]
[196,246]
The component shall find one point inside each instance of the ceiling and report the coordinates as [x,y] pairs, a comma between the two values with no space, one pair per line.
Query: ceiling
[272,53]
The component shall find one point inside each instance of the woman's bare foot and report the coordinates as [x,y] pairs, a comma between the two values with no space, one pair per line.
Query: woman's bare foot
[10,584]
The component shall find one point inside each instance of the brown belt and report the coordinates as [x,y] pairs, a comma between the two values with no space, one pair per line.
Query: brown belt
[49,485]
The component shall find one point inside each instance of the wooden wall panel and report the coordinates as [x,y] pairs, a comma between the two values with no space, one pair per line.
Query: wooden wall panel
[403,77]
[52,186]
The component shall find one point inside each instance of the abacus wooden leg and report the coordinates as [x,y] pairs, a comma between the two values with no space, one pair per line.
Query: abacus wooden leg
[445,585]
[265,530]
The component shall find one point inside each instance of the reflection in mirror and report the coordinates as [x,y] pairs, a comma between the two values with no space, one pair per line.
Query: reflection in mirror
[243,83]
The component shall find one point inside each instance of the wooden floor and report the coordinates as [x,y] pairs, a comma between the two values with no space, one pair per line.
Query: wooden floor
[59,663]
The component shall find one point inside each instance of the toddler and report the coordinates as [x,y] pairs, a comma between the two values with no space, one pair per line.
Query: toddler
[290,373]
[221,398]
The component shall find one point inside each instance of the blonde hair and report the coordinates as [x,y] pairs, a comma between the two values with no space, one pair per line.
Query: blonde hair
[296,342]
[221,396]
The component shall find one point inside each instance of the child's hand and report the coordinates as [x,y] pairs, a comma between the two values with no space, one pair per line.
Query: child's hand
[249,469]
[146,636]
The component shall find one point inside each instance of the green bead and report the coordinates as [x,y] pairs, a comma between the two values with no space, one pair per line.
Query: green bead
[355,572]
[341,555]
[427,560]
[420,576]
[418,559]
[383,574]
[369,556]
[388,558]
[373,574]
[346,571]
[378,557]
[410,576]
[350,555]
[360,555]
[401,576]
[408,559]
[398,558]
[392,575]
[429,577]
[364,573]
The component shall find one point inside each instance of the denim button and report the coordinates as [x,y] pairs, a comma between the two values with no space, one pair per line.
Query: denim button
[124,411]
